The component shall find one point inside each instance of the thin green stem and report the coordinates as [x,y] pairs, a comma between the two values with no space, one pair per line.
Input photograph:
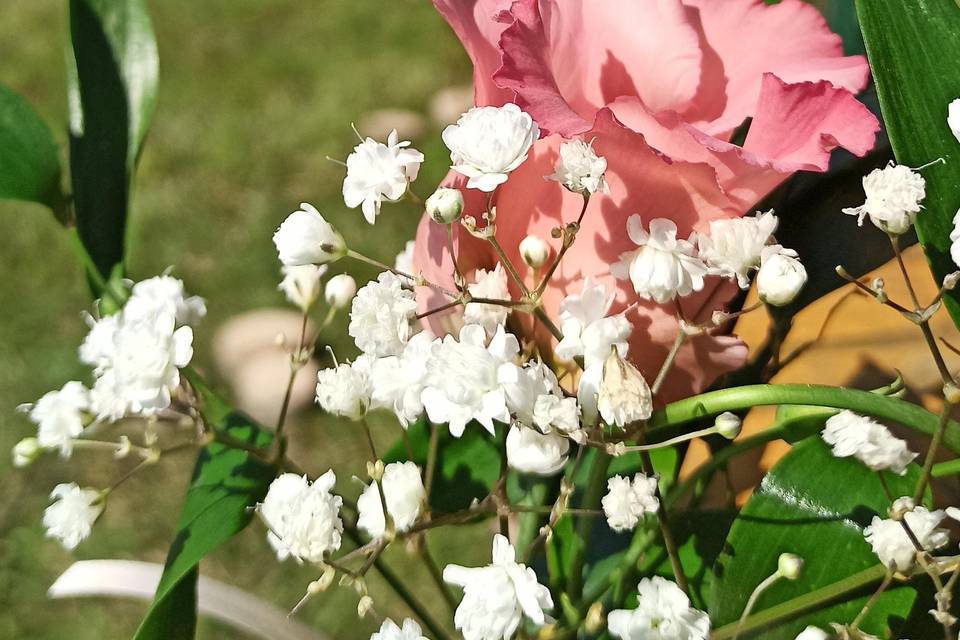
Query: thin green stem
[436,574]
[668,362]
[666,532]
[752,600]
[296,363]
[508,265]
[928,461]
[887,579]
[416,280]
[868,403]
[431,459]
[569,237]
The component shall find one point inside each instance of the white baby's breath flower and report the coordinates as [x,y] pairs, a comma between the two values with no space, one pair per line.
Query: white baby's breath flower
[663,613]
[71,516]
[624,396]
[554,412]
[953,118]
[303,518]
[59,416]
[492,285]
[142,369]
[781,276]
[344,390]
[404,260]
[340,290]
[813,633]
[524,386]
[396,382]
[487,143]
[955,239]
[893,198]
[305,237]
[98,346]
[25,452]
[301,284]
[496,597]
[444,205]
[377,172]
[663,267]
[390,631]
[627,501]
[530,451]
[405,494]
[163,295]
[587,329]
[579,168]
[892,544]
[381,314]
[463,380]
[869,442]
[732,248]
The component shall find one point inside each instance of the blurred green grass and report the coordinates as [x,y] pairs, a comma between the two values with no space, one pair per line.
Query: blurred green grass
[253,97]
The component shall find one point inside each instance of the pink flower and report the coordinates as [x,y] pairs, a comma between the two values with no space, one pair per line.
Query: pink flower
[660,86]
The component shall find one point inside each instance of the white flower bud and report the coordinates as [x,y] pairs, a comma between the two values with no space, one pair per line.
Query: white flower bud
[301,284]
[340,290]
[780,279]
[534,250]
[25,452]
[789,565]
[305,237]
[901,506]
[728,425]
[445,205]
[950,281]
[624,395]
[364,606]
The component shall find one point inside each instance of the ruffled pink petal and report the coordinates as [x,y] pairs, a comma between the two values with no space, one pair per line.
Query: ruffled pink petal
[565,59]
[799,124]
[744,39]
[478,24]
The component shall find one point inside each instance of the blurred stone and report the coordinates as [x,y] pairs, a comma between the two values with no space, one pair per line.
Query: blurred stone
[447,105]
[378,124]
[246,352]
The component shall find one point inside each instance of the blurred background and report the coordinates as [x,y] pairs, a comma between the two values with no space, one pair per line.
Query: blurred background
[253,97]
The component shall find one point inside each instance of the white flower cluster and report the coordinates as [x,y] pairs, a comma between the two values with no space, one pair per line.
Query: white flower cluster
[893,545]
[663,611]
[136,355]
[628,500]
[498,596]
[665,267]
[303,517]
[869,442]
[893,198]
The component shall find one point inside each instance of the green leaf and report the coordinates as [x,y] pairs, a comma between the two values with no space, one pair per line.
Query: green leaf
[112,83]
[226,483]
[29,164]
[816,506]
[466,469]
[913,49]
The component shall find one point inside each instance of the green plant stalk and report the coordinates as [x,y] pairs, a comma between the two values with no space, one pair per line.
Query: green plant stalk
[794,607]
[863,402]
[948,468]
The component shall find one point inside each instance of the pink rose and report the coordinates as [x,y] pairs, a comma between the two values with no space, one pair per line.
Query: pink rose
[660,86]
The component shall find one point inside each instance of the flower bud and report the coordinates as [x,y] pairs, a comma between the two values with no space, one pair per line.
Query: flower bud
[900,507]
[950,281]
[534,251]
[25,452]
[445,205]
[780,279]
[624,395]
[305,237]
[594,619]
[364,606]
[789,565]
[301,284]
[728,425]
[340,290]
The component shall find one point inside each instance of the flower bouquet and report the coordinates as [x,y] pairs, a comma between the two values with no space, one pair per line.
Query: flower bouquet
[634,180]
